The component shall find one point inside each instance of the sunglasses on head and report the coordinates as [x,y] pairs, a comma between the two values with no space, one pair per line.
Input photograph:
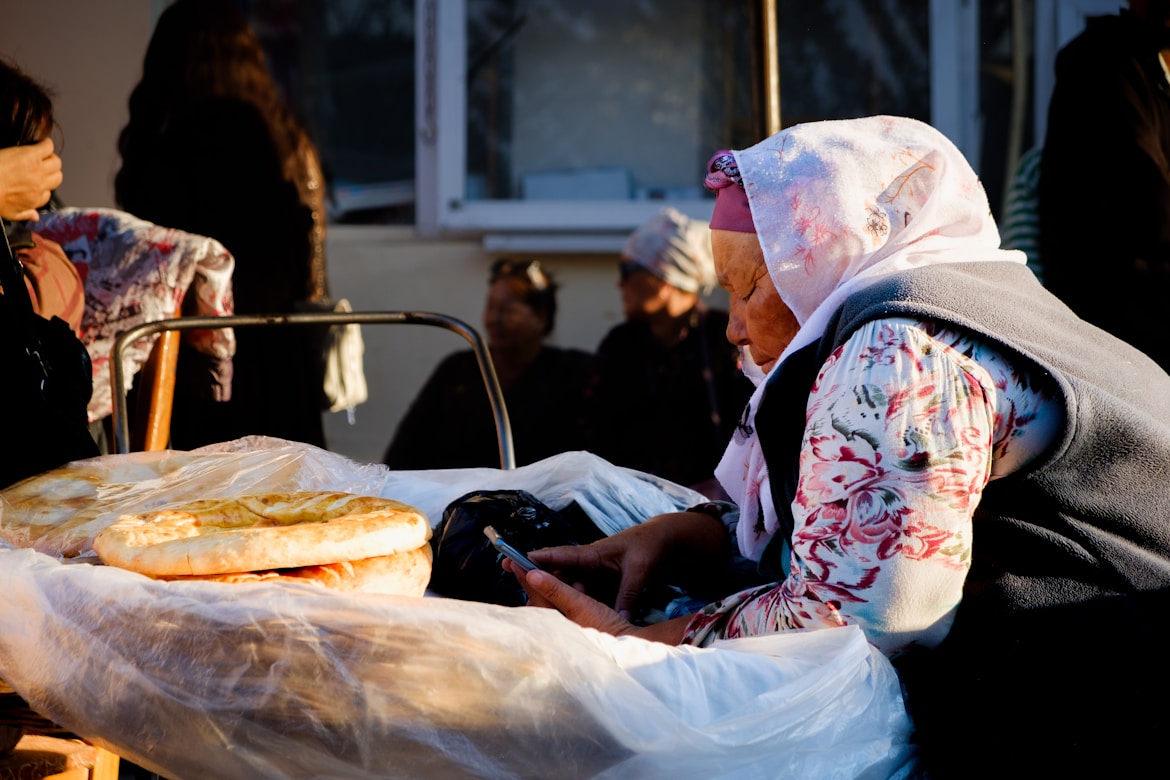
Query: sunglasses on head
[528,269]
[627,269]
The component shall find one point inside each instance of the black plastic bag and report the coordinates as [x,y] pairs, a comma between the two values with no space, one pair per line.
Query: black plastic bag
[466,565]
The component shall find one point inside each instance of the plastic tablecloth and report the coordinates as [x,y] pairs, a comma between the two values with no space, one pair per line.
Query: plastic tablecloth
[203,679]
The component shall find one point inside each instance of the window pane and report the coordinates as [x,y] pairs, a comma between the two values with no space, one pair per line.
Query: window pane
[848,58]
[1007,124]
[347,66]
[606,99]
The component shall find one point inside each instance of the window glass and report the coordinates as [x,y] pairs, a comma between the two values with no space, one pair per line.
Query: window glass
[347,67]
[1005,97]
[584,99]
[606,99]
[848,58]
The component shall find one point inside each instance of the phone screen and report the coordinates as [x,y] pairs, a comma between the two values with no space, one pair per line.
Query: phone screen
[508,550]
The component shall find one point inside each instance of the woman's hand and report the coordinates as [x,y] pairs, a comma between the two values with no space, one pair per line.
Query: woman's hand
[661,544]
[28,176]
[545,590]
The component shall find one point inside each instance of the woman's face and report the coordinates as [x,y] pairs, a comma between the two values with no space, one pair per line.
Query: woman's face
[509,321]
[643,293]
[758,320]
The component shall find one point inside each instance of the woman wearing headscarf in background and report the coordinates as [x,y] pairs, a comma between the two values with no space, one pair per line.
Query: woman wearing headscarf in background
[939,451]
[666,391]
[211,148]
[450,422]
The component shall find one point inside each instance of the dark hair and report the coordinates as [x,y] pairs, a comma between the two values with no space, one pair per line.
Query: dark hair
[201,50]
[540,289]
[31,112]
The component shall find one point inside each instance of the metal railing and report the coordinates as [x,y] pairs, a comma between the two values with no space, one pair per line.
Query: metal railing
[482,356]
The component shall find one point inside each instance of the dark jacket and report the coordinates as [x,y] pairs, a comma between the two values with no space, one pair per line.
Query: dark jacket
[214,170]
[450,424]
[1104,188]
[1071,557]
[47,377]
[667,411]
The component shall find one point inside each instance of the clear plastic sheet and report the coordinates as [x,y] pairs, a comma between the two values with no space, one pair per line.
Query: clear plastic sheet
[201,679]
[613,497]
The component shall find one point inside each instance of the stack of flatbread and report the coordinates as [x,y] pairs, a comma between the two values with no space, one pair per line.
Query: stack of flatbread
[338,540]
[246,511]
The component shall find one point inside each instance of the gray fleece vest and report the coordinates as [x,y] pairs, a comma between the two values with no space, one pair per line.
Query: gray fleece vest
[1054,664]
[1088,520]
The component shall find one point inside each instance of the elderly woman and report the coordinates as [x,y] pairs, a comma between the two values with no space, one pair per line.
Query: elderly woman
[938,451]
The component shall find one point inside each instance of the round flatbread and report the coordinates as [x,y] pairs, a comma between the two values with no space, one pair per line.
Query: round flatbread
[261,532]
[402,574]
[58,512]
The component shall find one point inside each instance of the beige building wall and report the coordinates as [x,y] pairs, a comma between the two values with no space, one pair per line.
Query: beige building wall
[90,55]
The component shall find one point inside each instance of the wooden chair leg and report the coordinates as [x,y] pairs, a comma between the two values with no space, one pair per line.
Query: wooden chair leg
[46,757]
[69,774]
[106,766]
[150,428]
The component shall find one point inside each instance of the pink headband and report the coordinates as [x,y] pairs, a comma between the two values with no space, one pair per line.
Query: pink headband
[731,202]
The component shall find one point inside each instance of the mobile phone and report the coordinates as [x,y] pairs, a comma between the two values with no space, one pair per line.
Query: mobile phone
[517,557]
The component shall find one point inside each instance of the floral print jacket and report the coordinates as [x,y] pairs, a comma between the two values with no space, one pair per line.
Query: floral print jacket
[136,272]
[906,424]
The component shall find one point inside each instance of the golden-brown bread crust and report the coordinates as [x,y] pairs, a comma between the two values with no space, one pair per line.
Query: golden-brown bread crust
[402,574]
[261,532]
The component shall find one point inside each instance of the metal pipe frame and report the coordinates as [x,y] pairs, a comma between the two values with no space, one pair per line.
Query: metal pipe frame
[482,356]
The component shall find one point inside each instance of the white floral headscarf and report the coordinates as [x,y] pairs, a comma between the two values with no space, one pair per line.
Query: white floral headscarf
[838,205]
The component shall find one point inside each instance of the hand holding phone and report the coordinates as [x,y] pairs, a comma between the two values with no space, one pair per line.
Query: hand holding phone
[517,557]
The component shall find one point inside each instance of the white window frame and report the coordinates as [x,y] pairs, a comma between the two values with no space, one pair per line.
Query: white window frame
[954,75]
[600,225]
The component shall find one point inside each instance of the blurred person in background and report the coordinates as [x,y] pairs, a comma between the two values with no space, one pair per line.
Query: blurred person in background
[212,148]
[1104,186]
[667,391]
[450,422]
[29,172]
[45,373]
[28,176]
